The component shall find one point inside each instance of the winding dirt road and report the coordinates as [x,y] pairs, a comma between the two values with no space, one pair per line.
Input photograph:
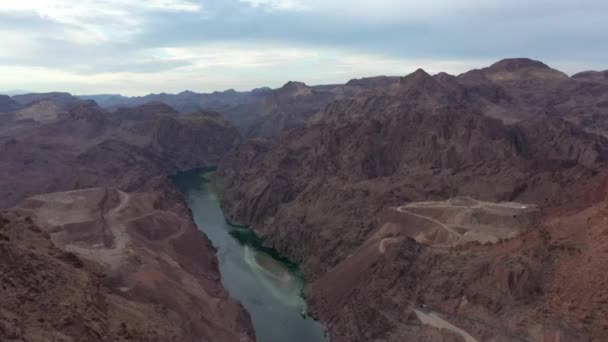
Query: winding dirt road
[112,256]
[466,219]
[384,242]
[442,225]
[433,319]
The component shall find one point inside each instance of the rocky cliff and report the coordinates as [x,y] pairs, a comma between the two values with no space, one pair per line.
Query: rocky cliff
[102,264]
[88,147]
[511,90]
[323,186]
[454,161]
[117,256]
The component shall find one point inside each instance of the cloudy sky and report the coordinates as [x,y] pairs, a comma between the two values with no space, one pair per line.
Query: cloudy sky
[136,47]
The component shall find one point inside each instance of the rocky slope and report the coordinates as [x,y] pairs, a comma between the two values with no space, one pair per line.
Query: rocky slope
[530,87]
[132,254]
[7,104]
[186,101]
[596,76]
[511,90]
[56,97]
[361,197]
[89,147]
[424,207]
[522,289]
[240,108]
[260,113]
[286,108]
[48,294]
[285,190]
[117,266]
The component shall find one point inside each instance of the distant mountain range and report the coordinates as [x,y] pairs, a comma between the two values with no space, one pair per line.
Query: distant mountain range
[510,90]
[14,92]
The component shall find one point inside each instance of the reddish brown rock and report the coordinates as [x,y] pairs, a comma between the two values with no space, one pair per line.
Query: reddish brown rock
[139,267]
[7,104]
[597,76]
[511,90]
[89,147]
[439,267]
[319,195]
[543,285]
[324,186]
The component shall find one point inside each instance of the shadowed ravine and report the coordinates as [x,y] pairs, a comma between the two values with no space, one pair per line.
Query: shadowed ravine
[268,286]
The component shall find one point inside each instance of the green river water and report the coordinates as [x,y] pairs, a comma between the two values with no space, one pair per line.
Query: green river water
[267,285]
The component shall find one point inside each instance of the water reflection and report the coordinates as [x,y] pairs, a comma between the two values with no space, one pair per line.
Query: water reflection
[268,285]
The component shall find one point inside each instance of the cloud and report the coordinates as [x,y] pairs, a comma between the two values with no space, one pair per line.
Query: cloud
[219,66]
[286,5]
[403,10]
[98,19]
[171,45]
[231,55]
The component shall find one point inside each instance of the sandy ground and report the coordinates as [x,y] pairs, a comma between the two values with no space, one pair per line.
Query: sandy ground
[443,226]
[76,209]
[151,255]
[433,319]
[463,219]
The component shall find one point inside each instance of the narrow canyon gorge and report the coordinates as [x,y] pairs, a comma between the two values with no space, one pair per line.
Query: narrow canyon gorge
[433,208]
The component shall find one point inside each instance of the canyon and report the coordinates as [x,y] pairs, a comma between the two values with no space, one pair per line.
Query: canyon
[439,201]
[423,207]
[88,210]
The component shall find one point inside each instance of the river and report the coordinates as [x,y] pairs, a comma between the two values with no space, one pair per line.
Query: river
[268,286]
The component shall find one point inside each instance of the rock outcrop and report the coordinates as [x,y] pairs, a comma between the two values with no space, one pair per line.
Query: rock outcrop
[7,104]
[511,90]
[124,260]
[323,186]
[424,207]
[542,285]
[117,266]
[288,107]
[88,147]
[597,76]
[439,202]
